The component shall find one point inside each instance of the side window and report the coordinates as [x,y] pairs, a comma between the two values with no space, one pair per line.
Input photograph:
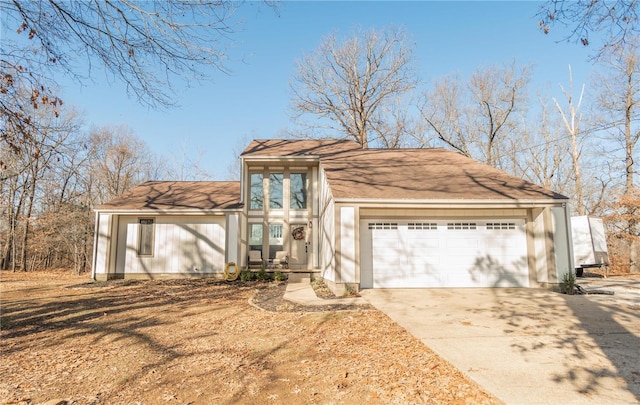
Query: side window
[275,190]
[145,237]
[298,191]
[255,191]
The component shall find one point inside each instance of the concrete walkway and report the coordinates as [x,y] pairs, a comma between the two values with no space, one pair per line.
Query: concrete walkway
[302,293]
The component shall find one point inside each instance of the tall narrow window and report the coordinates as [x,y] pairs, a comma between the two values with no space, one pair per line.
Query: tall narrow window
[298,191]
[275,190]
[145,238]
[256,191]
[275,239]
[255,237]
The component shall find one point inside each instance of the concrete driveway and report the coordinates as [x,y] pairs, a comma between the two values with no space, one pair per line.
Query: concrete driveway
[531,346]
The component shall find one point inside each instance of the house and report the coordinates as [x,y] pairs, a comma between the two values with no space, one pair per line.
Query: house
[359,218]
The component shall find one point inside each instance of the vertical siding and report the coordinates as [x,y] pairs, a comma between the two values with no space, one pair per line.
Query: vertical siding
[327,231]
[561,241]
[347,245]
[103,241]
[540,246]
[182,245]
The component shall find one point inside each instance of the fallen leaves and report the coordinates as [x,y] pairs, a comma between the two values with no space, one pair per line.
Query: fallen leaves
[201,342]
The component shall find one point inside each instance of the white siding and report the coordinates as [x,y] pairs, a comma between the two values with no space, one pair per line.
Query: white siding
[103,241]
[347,245]
[540,247]
[327,231]
[561,241]
[182,245]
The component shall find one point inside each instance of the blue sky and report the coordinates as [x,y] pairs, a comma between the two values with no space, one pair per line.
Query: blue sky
[215,117]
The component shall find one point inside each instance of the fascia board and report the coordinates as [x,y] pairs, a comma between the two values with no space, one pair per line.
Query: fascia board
[284,159]
[390,203]
[220,212]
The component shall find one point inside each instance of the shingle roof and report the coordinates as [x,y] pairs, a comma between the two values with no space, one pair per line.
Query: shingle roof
[178,195]
[423,174]
[299,147]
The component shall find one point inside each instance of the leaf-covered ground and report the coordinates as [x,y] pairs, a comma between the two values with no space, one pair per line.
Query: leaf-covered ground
[69,341]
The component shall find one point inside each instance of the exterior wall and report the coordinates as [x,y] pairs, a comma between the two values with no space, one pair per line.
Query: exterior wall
[348,245]
[540,262]
[562,249]
[183,246]
[102,246]
[233,226]
[327,234]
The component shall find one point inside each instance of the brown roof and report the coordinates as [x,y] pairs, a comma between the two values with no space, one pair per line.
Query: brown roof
[178,195]
[300,147]
[423,174]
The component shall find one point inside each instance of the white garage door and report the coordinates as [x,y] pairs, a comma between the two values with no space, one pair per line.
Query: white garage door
[468,253]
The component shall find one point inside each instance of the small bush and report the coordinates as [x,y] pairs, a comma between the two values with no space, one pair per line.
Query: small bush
[247,275]
[262,275]
[568,282]
[279,276]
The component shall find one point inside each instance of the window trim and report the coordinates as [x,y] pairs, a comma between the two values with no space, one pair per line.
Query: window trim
[152,236]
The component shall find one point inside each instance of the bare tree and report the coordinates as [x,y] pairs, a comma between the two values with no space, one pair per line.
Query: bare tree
[474,118]
[571,119]
[619,101]
[150,46]
[119,161]
[617,20]
[348,87]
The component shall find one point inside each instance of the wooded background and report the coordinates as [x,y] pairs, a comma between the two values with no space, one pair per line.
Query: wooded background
[365,87]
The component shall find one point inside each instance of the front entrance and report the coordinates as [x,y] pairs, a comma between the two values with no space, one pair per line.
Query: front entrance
[300,245]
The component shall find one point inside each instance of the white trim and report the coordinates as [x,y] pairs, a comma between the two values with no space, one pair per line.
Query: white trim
[190,211]
[435,203]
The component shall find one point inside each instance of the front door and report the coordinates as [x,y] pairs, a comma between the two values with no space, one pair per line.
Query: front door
[300,245]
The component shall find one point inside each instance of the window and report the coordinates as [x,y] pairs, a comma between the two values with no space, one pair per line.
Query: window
[145,237]
[457,226]
[256,191]
[255,237]
[383,225]
[275,190]
[275,239]
[501,225]
[298,191]
[419,226]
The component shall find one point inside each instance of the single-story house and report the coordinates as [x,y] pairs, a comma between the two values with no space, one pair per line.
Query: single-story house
[359,218]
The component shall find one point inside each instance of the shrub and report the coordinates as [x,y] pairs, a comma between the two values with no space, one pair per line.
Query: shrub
[279,276]
[568,282]
[262,275]
[247,275]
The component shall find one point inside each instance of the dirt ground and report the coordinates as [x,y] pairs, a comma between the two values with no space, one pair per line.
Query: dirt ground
[66,340]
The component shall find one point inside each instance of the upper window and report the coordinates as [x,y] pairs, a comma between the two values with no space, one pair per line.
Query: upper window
[275,190]
[256,191]
[298,191]
[145,237]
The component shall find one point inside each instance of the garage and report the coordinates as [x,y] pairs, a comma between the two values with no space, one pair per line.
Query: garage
[443,253]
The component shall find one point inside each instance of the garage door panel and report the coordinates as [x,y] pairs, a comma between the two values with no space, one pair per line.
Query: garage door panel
[450,254]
